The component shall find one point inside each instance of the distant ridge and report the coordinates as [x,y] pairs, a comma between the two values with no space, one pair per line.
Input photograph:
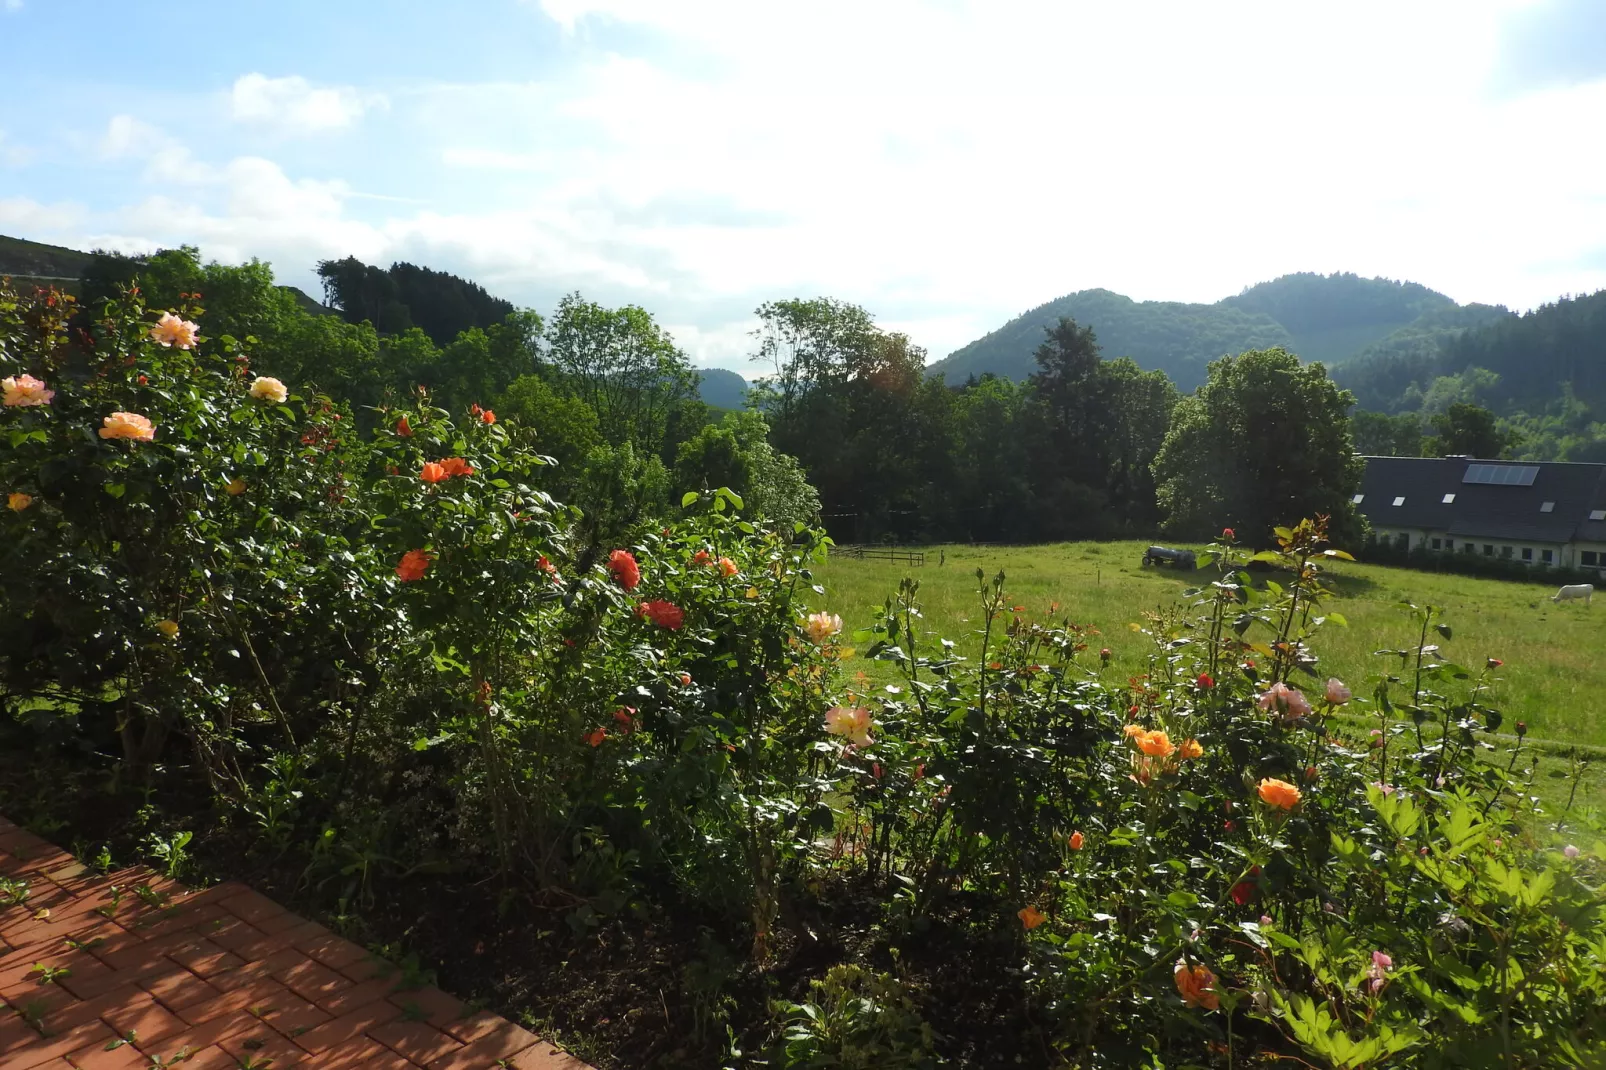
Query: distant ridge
[1330,318]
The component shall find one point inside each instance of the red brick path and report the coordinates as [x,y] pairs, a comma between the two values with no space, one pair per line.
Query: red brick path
[132,971]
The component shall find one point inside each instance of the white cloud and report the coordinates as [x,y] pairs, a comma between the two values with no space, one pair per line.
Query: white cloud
[294,105]
[21,215]
[167,159]
[946,166]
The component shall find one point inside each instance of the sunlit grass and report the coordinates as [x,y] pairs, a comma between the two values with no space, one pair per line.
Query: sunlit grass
[1554,676]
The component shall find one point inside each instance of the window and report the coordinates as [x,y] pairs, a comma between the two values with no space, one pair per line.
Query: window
[1597,514]
[1507,475]
[1403,540]
[1488,550]
[1548,507]
[1527,553]
[1358,499]
[1467,547]
[1547,555]
[1449,499]
[1589,557]
[1505,551]
[1438,544]
[1400,500]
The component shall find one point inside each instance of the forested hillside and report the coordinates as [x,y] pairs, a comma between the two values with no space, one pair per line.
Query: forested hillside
[1538,379]
[1330,318]
[1167,336]
[1333,317]
[721,388]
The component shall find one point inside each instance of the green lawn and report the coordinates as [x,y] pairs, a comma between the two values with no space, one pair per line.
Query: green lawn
[1555,656]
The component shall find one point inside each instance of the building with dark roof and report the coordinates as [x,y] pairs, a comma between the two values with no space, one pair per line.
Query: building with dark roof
[1539,512]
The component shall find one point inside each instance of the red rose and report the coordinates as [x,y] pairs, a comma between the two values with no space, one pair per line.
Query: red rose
[664,614]
[622,563]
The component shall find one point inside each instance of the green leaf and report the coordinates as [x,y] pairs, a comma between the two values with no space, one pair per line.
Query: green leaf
[116,490]
[687,498]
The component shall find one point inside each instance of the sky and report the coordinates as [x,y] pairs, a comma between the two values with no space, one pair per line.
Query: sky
[946,164]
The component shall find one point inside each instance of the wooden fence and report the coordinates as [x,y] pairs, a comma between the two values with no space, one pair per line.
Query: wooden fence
[881,553]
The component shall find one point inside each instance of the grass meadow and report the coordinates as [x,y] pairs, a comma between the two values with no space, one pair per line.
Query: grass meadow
[1554,676]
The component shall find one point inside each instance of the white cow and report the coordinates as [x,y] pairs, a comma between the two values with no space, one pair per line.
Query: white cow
[1575,590]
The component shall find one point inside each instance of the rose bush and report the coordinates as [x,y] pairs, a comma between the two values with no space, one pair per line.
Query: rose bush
[391,652]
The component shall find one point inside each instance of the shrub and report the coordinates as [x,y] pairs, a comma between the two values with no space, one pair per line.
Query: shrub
[389,652]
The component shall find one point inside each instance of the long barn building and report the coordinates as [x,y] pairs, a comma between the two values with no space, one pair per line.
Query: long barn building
[1539,512]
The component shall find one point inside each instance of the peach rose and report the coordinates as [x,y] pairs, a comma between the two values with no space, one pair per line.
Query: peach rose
[267,388]
[852,723]
[24,391]
[172,331]
[821,626]
[129,425]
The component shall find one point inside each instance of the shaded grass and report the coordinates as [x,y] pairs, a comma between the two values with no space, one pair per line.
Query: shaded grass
[1554,677]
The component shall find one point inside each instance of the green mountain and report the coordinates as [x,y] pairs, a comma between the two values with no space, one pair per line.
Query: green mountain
[1333,317]
[34,262]
[1330,318]
[1179,339]
[722,389]
[1382,374]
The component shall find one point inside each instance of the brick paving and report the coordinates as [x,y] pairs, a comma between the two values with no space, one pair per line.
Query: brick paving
[131,971]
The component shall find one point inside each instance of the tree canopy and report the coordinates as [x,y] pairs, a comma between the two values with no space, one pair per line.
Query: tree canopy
[1266,438]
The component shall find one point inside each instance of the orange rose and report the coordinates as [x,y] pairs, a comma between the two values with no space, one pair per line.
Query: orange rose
[432,473]
[1076,841]
[413,565]
[1279,793]
[456,466]
[727,567]
[1031,917]
[403,428]
[1156,744]
[1197,986]
[1192,749]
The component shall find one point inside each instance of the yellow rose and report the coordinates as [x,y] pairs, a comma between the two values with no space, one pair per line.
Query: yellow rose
[168,628]
[18,501]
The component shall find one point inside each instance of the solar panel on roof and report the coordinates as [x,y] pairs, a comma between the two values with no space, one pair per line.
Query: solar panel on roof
[1505,475]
